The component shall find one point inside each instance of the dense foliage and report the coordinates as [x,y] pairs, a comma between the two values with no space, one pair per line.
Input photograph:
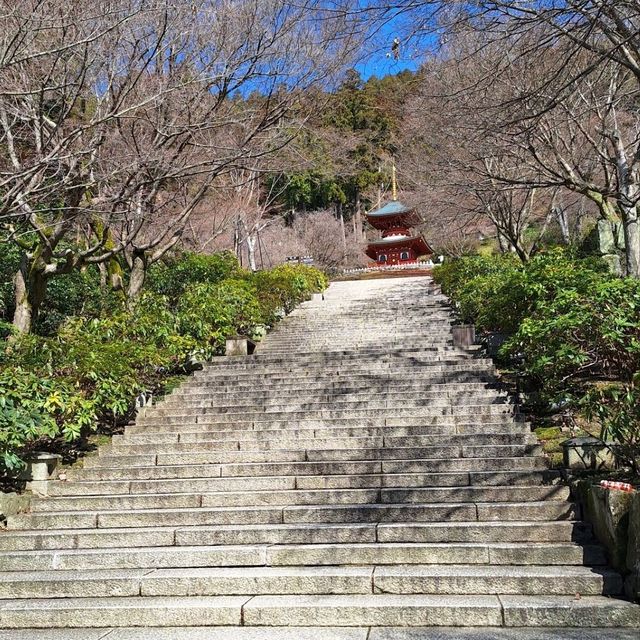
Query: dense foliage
[91,369]
[573,329]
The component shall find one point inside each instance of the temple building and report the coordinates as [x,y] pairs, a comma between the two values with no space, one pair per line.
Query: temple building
[398,244]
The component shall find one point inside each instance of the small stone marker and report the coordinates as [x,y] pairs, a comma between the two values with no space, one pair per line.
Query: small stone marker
[40,471]
[587,453]
[464,335]
[240,346]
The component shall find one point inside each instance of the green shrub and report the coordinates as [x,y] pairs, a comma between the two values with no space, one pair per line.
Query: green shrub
[33,407]
[616,408]
[9,262]
[282,288]
[171,277]
[73,294]
[572,324]
[497,293]
[590,330]
[209,313]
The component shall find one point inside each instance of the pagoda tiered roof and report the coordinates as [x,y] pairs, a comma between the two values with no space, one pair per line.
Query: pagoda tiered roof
[393,214]
[390,209]
[417,243]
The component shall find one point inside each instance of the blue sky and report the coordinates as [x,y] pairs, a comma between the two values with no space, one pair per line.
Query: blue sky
[379,65]
[412,48]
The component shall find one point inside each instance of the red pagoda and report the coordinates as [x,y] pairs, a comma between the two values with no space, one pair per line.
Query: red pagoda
[397,245]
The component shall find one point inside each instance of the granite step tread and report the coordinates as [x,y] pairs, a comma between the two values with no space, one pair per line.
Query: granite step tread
[333,496]
[563,531]
[306,554]
[323,633]
[79,487]
[306,580]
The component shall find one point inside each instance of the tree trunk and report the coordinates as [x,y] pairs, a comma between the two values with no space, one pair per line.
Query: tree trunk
[104,275]
[251,252]
[503,244]
[236,239]
[137,276]
[344,239]
[30,289]
[563,222]
[632,242]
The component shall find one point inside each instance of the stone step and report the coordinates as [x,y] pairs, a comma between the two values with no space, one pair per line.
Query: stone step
[559,531]
[465,611]
[197,395]
[321,513]
[319,360]
[275,483]
[247,440]
[309,468]
[324,633]
[458,423]
[322,580]
[170,415]
[275,403]
[426,370]
[321,610]
[373,554]
[324,496]
[121,612]
[207,433]
[195,456]
[417,377]
[493,580]
[383,351]
[374,385]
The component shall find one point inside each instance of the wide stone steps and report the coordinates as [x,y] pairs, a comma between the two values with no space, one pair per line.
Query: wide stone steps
[339,400]
[357,472]
[308,468]
[208,433]
[337,408]
[320,513]
[216,456]
[557,531]
[336,372]
[171,415]
[439,424]
[285,440]
[374,384]
[319,394]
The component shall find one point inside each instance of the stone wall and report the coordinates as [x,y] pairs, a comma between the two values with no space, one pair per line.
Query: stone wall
[615,517]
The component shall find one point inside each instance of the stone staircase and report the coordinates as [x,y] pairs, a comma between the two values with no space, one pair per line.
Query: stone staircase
[358,471]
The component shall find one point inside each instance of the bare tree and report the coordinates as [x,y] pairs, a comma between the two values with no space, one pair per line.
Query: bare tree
[119,122]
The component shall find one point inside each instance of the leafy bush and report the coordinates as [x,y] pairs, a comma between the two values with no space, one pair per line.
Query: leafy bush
[617,409]
[9,262]
[73,294]
[498,292]
[171,277]
[572,324]
[280,289]
[209,313]
[578,332]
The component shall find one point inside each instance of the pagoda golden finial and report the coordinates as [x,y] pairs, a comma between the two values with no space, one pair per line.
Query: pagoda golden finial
[394,186]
